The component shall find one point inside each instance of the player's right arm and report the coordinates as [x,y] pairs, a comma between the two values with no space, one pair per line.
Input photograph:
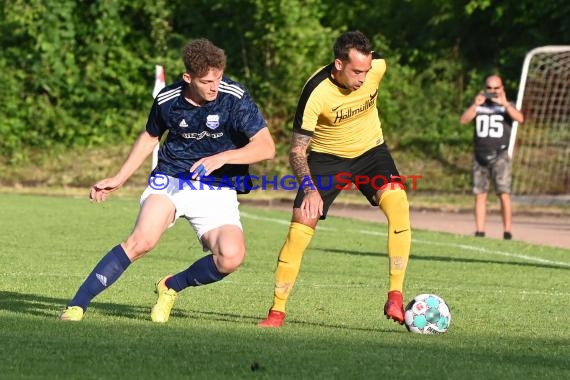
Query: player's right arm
[141,149]
[312,206]
[471,112]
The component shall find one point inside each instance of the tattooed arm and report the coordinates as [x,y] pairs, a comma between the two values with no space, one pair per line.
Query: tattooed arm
[312,207]
[298,159]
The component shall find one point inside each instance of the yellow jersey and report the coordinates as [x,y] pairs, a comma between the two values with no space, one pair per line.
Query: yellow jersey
[341,122]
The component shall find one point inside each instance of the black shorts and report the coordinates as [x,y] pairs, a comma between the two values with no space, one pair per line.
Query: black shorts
[332,174]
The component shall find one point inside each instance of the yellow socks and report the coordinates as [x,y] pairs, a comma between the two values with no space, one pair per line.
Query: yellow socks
[289,263]
[394,204]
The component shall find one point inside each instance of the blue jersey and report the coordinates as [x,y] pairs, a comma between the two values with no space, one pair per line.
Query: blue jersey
[226,123]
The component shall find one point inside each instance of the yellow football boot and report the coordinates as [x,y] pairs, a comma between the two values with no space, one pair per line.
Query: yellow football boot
[72,313]
[166,298]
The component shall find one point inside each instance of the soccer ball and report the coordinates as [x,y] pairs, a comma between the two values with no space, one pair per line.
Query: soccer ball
[427,314]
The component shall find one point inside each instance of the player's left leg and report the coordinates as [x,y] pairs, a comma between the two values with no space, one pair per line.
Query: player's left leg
[385,189]
[228,252]
[215,217]
[502,177]
[394,204]
[506,211]
[227,247]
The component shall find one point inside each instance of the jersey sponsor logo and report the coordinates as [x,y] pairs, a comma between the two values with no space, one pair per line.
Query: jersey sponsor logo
[183,124]
[201,135]
[347,113]
[213,121]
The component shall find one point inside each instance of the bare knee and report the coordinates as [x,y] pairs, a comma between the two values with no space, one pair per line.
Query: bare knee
[228,247]
[298,217]
[229,259]
[137,246]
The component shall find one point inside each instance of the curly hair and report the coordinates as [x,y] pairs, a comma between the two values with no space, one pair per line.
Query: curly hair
[201,55]
[351,40]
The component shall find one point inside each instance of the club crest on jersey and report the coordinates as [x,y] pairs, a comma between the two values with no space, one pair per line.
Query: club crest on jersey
[213,121]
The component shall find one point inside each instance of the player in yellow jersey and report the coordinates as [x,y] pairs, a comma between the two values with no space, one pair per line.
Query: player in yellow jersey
[337,118]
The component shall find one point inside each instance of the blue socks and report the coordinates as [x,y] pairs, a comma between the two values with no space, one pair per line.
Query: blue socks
[202,272]
[116,261]
[105,273]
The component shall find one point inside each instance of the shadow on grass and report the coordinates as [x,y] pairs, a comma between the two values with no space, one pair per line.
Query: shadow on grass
[43,306]
[228,317]
[50,307]
[443,258]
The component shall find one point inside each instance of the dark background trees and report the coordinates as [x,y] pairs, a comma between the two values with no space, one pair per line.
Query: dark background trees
[80,73]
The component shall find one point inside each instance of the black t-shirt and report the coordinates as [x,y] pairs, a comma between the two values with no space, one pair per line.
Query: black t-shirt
[493,127]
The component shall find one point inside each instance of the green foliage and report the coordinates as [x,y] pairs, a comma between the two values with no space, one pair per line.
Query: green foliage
[80,73]
[290,33]
[414,113]
[272,45]
[76,80]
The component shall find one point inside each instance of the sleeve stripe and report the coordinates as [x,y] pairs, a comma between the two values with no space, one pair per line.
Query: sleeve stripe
[308,89]
[231,89]
[171,96]
[304,132]
[168,93]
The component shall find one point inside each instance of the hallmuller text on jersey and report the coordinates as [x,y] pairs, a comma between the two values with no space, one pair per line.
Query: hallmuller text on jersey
[347,113]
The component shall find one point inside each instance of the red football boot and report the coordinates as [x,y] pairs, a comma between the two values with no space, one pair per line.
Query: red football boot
[274,319]
[394,307]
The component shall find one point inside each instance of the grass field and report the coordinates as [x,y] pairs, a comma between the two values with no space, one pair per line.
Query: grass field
[509,303]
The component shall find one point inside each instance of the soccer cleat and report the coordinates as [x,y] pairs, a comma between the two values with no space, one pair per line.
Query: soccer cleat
[72,313]
[507,235]
[394,307]
[274,319]
[479,234]
[166,297]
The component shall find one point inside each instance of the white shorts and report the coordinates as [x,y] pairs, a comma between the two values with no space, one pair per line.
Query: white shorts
[204,207]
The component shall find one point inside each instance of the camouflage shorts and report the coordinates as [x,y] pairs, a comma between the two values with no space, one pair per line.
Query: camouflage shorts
[500,172]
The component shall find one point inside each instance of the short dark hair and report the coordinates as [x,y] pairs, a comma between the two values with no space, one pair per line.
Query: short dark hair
[351,40]
[201,55]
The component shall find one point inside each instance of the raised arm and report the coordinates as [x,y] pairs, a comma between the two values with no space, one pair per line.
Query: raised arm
[141,149]
[514,113]
[471,112]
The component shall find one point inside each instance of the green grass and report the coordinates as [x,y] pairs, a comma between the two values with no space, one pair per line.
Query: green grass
[509,303]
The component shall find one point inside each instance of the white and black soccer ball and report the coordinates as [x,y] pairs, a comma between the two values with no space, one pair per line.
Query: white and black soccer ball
[427,314]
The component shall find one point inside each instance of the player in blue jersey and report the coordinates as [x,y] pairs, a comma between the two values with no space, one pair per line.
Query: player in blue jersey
[493,115]
[215,131]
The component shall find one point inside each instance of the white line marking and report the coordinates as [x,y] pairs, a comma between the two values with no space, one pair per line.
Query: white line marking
[422,241]
[278,221]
